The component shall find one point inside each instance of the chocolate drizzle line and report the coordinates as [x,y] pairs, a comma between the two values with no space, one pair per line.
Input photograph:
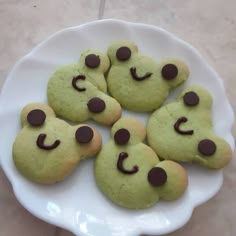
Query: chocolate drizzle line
[139,78]
[177,126]
[120,166]
[74,81]
[40,143]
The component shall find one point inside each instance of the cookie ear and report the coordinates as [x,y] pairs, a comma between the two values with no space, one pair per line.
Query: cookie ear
[88,139]
[174,72]
[169,178]
[121,51]
[94,60]
[196,96]
[35,114]
[128,130]
[213,152]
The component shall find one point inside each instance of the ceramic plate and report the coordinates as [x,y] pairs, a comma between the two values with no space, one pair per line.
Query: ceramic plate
[76,204]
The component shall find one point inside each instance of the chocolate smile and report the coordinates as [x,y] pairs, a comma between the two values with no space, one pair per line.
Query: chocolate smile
[177,126]
[120,166]
[74,81]
[136,77]
[40,143]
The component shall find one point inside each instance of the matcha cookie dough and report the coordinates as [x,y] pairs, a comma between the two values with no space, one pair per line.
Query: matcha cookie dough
[182,131]
[139,83]
[77,92]
[129,172]
[48,149]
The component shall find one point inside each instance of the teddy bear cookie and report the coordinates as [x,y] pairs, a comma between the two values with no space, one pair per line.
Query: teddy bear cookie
[129,172]
[139,83]
[77,92]
[182,131]
[48,149]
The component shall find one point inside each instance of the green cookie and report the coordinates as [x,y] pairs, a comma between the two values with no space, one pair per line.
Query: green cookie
[139,83]
[77,92]
[130,174]
[182,131]
[48,149]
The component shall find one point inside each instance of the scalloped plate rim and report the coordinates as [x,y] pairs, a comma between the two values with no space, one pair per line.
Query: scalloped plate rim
[56,222]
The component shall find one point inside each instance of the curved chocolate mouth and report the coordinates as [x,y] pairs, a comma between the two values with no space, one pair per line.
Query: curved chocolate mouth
[74,81]
[120,164]
[40,143]
[139,78]
[178,129]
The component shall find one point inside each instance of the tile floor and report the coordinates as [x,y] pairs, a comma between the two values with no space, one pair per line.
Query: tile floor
[208,25]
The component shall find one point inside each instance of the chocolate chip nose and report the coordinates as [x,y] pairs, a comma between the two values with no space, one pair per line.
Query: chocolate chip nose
[92,60]
[122,136]
[191,99]
[157,176]
[36,117]
[123,53]
[169,71]
[207,147]
[96,105]
[84,134]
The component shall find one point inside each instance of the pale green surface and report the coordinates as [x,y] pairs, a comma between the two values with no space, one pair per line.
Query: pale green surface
[168,144]
[49,166]
[134,191]
[145,95]
[71,104]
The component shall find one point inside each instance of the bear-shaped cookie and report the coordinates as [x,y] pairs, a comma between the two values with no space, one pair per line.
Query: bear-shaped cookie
[77,92]
[183,131]
[48,149]
[140,83]
[129,172]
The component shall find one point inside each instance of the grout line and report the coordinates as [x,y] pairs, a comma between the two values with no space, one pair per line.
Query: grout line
[101,9]
[57,231]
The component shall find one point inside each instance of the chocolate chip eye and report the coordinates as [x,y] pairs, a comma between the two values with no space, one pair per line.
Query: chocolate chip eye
[122,136]
[191,99]
[169,71]
[96,105]
[84,134]
[92,61]
[207,147]
[36,117]
[123,53]
[157,176]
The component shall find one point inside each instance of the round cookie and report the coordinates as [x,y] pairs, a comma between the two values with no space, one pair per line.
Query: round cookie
[77,92]
[182,131]
[130,174]
[48,149]
[139,83]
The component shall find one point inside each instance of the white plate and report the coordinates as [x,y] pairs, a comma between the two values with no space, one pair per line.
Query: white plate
[76,204]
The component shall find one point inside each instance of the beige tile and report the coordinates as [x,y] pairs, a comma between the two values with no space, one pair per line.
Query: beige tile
[25,23]
[210,27]
[14,219]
